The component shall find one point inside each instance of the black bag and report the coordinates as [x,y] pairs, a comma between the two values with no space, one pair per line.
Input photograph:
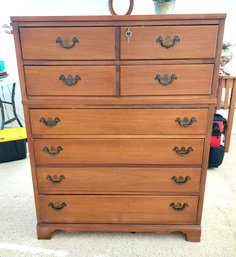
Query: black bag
[216,156]
[217,151]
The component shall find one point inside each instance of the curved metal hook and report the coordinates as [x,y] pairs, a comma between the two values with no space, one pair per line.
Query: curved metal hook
[49,122]
[55,178]
[165,80]
[181,180]
[186,122]
[168,42]
[183,151]
[179,206]
[70,81]
[65,44]
[52,150]
[57,206]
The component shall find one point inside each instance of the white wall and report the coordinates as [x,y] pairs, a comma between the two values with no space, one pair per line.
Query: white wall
[100,7]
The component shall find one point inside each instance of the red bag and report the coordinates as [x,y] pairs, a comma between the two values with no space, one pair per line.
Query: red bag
[217,150]
[215,141]
[218,128]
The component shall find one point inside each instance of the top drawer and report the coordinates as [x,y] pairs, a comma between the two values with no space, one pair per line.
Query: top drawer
[68,43]
[168,42]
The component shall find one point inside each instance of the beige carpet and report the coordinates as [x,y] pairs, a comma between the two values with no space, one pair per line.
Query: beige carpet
[18,222]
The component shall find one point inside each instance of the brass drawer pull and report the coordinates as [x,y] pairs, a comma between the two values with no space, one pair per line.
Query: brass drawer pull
[65,43]
[179,206]
[57,206]
[70,81]
[52,150]
[165,79]
[186,122]
[183,151]
[167,42]
[181,180]
[49,122]
[55,178]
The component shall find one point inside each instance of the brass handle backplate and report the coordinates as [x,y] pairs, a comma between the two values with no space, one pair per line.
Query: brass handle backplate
[55,178]
[183,151]
[186,122]
[66,42]
[165,79]
[168,42]
[179,206]
[70,81]
[57,206]
[49,122]
[181,180]
[52,150]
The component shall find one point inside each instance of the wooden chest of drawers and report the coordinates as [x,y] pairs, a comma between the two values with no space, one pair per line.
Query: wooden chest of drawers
[118,113]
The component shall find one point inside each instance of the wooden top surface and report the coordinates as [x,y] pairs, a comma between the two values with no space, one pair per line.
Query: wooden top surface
[120,17]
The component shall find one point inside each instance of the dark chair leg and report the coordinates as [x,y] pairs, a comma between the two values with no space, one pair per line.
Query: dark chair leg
[13,104]
[2,114]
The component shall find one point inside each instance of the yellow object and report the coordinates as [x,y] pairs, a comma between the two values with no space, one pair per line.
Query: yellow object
[12,134]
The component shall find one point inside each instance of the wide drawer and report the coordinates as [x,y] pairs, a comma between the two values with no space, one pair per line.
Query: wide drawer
[68,43]
[168,42]
[166,79]
[70,80]
[118,121]
[118,151]
[117,180]
[118,209]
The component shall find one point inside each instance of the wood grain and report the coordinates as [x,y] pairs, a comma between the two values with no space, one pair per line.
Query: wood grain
[104,180]
[94,43]
[117,130]
[118,151]
[190,79]
[119,209]
[190,18]
[191,232]
[119,121]
[195,42]
[94,80]
[192,101]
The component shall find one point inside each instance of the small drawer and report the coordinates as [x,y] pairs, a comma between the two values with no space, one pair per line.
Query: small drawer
[166,79]
[70,80]
[118,151]
[118,209]
[119,121]
[117,180]
[168,42]
[68,43]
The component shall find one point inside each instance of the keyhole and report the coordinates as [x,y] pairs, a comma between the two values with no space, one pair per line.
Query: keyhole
[128,33]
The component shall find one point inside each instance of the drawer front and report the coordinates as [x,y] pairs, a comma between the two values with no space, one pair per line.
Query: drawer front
[166,79]
[118,151]
[118,209]
[70,80]
[119,121]
[117,180]
[169,42]
[68,43]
